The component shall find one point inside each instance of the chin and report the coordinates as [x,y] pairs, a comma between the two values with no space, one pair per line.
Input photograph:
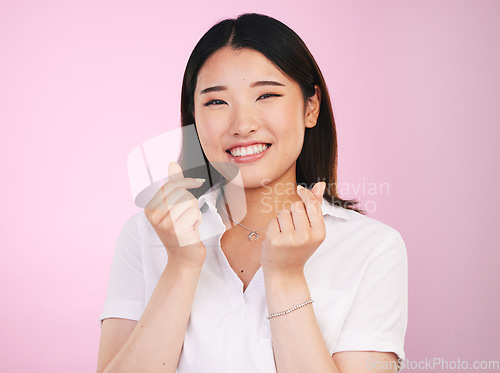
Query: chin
[250,181]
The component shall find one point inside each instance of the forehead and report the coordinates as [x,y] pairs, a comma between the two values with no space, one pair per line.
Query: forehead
[228,65]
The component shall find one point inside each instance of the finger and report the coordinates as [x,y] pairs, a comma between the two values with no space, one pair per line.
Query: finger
[273,227]
[174,171]
[299,217]
[319,190]
[185,223]
[313,207]
[179,195]
[198,221]
[175,195]
[182,205]
[157,202]
[188,218]
[285,221]
[186,182]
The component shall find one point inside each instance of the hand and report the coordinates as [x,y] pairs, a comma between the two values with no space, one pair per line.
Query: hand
[295,234]
[175,216]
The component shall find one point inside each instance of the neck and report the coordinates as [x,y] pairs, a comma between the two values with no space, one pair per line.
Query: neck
[255,207]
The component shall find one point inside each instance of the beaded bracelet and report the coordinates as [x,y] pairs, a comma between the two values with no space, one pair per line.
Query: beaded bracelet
[290,310]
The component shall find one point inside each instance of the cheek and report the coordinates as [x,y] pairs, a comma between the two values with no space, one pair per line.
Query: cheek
[204,137]
[208,134]
[288,110]
[207,129]
[287,120]
[210,124]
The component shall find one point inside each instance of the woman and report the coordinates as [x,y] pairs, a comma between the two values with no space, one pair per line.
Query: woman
[257,273]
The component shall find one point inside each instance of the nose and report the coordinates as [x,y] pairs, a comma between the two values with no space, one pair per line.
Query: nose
[243,122]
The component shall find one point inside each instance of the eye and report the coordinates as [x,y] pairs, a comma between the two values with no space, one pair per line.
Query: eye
[266,95]
[214,102]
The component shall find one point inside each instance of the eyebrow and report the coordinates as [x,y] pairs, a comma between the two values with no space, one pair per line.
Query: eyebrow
[218,88]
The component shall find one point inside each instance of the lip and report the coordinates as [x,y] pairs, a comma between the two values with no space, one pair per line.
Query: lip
[244,144]
[248,158]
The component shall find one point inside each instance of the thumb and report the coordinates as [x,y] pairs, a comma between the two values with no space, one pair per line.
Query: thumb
[318,190]
[174,171]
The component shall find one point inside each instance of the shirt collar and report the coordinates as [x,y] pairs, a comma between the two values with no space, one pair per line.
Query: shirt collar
[209,199]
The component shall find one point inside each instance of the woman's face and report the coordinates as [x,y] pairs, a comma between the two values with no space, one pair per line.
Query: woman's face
[242,98]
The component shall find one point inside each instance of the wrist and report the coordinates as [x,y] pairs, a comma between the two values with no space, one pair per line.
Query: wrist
[286,282]
[283,277]
[183,269]
[284,292]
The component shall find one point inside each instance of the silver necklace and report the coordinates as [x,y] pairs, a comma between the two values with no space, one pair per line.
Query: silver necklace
[253,234]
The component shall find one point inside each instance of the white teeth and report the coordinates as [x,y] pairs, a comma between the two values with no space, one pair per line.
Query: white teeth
[254,149]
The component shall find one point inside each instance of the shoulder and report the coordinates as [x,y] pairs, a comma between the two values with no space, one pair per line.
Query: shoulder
[359,234]
[139,228]
[134,223]
[352,223]
[129,243]
[136,228]
[354,246]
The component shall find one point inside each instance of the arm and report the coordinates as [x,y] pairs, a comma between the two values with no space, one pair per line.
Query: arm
[297,340]
[366,361]
[114,334]
[153,343]
[290,240]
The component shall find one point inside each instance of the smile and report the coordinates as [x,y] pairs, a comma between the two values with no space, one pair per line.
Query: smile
[248,153]
[248,150]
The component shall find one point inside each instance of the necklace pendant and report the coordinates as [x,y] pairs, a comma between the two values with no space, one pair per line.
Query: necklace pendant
[253,236]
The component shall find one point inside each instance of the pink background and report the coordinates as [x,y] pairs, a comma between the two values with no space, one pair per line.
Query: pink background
[415,87]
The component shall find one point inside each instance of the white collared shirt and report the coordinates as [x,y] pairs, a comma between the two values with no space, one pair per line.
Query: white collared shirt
[357,278]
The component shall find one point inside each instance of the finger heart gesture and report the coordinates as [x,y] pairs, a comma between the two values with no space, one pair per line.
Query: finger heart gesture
[295,234]
[175,216]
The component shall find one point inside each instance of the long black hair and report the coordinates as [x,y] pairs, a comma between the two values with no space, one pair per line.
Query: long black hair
[283,47]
